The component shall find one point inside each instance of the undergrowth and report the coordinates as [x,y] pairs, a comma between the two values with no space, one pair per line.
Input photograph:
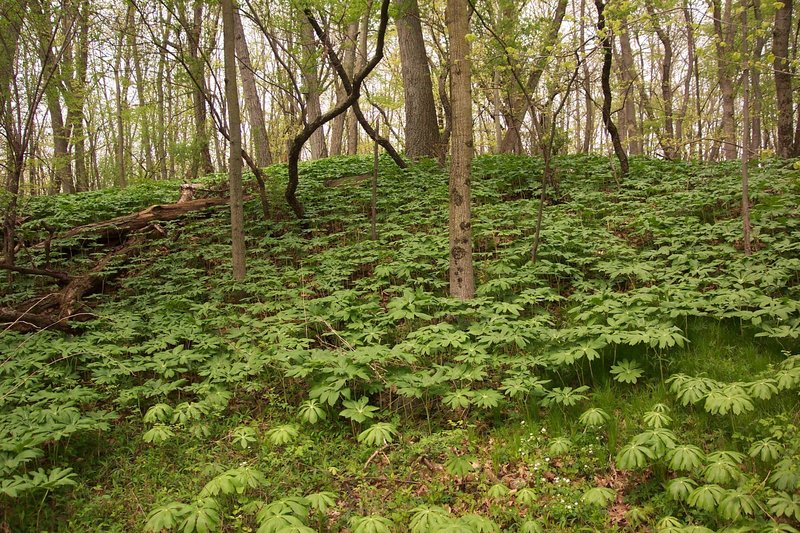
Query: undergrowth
[642,373]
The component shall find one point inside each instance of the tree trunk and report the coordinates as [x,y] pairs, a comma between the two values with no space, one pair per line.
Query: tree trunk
[235,132]
[783,77]
[746,135]
[462,277]
[588,133]
[296,145]
[681,124]
[633,134]
[348,63]
[121,177]
[252,102]
[77,97]
[144,119]
[606,45]
[755,83]
[421,125]
[202,160]
[319,149]
[724,43]
[517,113]
[667,138]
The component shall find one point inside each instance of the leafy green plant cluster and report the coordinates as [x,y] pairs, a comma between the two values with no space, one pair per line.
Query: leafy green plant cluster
[332,333]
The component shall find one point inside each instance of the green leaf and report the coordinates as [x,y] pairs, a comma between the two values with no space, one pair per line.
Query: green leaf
[735,503]
[679,488]
[358,410]
[784,504]
[378,434]
[656,419]
[599,496]
[158,433]
[526,496]
[371,524]
[427,518]
[244,436]
[459,465]
[283,434]
[706,497]
[634,455]
[627,371]
[167,516]
[768,450]
[160,412]
[312,412]
[486,398]
[498,491]
[685,457]
[321,501]
[594,417]
[559,446]
[202,517]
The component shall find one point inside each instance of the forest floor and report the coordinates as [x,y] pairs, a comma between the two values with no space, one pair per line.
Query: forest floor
[642,375]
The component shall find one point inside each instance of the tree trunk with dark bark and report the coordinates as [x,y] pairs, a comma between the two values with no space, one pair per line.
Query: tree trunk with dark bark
[606,46]
[462,276]
[421,125]
[783,77]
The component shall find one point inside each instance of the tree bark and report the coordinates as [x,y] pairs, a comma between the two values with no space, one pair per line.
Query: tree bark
[783,78]
[319,148]
[255,112]
[235,132]
[606,45]
[462,277]
[746,135]
[588,132]
[630,129]
[667,138]
[297,143]
[511,142]
[421,125]
[724,42]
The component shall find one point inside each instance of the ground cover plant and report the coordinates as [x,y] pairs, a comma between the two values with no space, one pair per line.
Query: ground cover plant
[643,374]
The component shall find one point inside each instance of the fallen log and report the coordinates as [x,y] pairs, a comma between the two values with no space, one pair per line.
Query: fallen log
[70,295]
[119,226]
[11,319]
[60,276]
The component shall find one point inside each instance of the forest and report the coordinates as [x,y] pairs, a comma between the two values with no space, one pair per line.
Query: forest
[399,266]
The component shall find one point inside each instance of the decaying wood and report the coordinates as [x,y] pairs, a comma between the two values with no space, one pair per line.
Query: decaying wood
[137,221]
[11,319]
[60,276]
[70,296]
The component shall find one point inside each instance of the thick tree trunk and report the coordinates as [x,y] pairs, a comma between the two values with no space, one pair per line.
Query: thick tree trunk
[252,102]
[421,125]
[783,77]
[462,277]
[667,137]
[746,135]
[724,43]
[631,131]
[235,132]
[319,149]
[202,160]
[756,94]
[77,98]
[606,46]
[588,133]
[520,108]
[348,63]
